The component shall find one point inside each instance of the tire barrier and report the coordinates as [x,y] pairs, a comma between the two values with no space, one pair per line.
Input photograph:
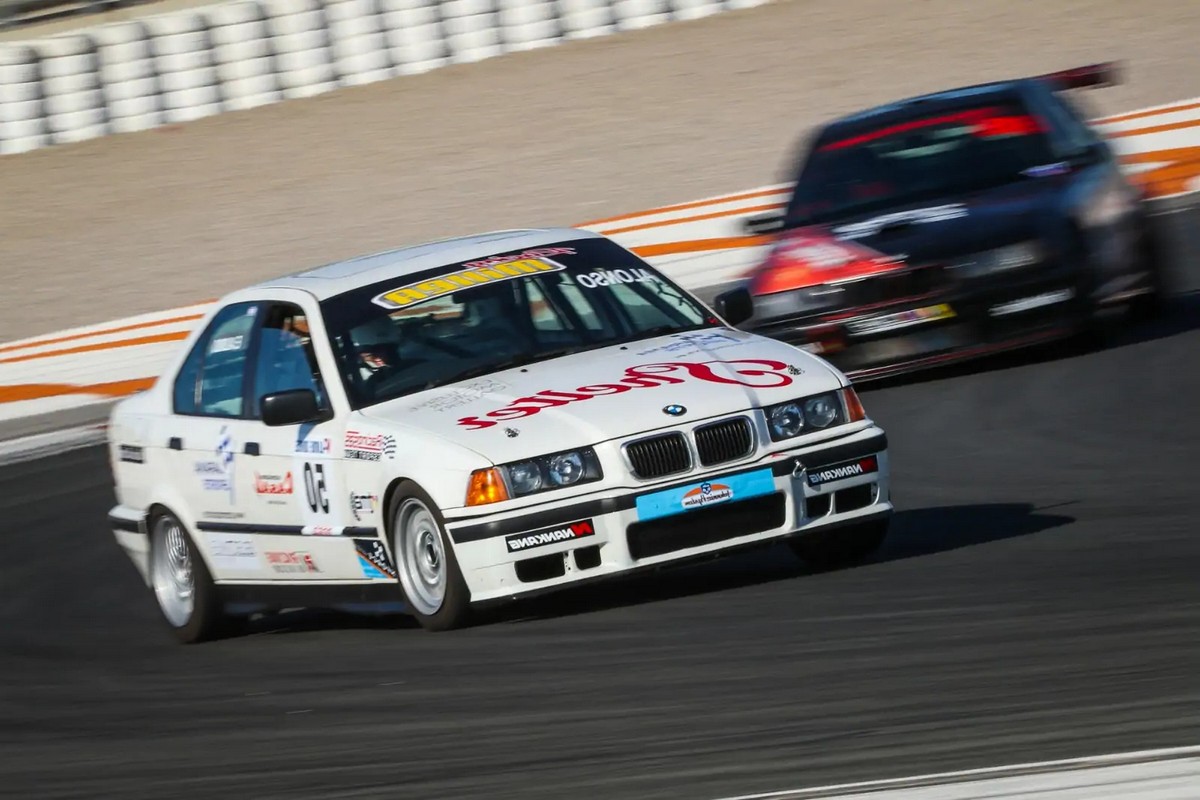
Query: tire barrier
[186,65]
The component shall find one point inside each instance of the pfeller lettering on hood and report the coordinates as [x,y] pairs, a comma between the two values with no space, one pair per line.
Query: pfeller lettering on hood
[759,373]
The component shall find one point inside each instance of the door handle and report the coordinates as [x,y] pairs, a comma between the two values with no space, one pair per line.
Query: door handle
[175,443]
[252,448]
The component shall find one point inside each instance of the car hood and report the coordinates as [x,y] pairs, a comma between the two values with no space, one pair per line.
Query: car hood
[956,225]
[590,397]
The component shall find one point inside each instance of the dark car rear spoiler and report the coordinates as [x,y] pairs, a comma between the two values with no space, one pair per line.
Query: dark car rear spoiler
[1092,76]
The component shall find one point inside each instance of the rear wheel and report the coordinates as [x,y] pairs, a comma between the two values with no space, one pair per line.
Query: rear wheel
[1147,306]
[842,546]
[432,583]
[181,582]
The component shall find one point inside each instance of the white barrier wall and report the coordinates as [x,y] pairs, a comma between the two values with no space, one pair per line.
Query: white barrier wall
[189,64]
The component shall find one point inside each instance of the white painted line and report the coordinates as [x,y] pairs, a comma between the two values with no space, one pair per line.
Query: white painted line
[43,445]
[1166,774]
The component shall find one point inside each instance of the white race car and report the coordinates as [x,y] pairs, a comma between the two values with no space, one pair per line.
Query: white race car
[476,420]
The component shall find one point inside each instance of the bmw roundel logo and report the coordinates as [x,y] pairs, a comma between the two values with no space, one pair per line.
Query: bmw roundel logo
[674,410]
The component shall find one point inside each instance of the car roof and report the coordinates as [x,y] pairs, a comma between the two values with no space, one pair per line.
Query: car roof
[337,277]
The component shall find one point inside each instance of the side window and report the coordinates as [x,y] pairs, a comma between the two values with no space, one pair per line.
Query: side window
[212,379]
[285,358]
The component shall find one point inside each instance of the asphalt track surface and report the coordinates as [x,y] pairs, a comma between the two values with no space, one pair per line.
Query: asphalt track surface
[1038,599]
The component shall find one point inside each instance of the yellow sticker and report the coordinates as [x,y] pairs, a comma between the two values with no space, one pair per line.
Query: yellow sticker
[940,311]
[484,274]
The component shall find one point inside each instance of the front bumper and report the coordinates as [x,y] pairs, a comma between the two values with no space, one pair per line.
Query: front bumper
[835,483]
[944,324]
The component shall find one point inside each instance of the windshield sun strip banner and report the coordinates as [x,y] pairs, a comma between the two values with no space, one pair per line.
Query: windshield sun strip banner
[474,273]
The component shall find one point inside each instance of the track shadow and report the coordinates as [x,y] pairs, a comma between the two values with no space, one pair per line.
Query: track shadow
[913,533]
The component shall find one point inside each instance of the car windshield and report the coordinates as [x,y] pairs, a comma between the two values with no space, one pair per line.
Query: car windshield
[948,152]
[465,320]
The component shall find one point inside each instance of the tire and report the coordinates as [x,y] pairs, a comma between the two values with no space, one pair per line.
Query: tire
[841,547]
[1146,307]
[182,585]
[430,579]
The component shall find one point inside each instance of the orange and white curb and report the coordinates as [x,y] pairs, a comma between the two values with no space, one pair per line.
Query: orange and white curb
[700,244]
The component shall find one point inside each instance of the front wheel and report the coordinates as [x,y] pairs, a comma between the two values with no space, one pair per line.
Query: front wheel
[432,583]
[181,582]
[842,546]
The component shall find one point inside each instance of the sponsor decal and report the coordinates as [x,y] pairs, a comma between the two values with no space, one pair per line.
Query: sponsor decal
[917,216]
[363,505]
[291,562]
[850,469]
[540,538]
[132,454]
[373,559]
[226,344]
[756,373]
[609,277]
[222,515]
[986,123]
[694,496]
[369,446]
[273,484]
[460,395]
[314,446]
[320,530]
[706,494]
[233,551]
[213,477]
[693,342]
[475,273]
[1030,303]
[902,319]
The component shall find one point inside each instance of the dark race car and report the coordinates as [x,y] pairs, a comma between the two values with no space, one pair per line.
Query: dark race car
[953,225]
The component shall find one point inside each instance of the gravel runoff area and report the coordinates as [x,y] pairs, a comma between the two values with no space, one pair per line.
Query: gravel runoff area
[141,222]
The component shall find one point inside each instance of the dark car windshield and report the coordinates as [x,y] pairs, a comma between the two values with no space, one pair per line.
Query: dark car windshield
[469,319]
[947,152]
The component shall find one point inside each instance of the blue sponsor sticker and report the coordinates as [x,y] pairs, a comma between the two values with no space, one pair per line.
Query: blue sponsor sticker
[370,570]
[712,492]
[373,559]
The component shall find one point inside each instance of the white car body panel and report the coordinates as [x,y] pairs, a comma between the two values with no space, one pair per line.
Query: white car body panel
[305,505]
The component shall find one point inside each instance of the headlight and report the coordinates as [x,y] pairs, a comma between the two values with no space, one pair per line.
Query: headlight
[815,413]
[822,411]
[522,478]
[786,420]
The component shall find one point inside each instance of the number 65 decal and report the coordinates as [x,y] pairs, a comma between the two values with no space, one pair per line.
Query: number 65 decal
[314,487]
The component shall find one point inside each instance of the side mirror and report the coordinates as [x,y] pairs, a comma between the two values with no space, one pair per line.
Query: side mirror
[735,306]
[293,407]
[763,223]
